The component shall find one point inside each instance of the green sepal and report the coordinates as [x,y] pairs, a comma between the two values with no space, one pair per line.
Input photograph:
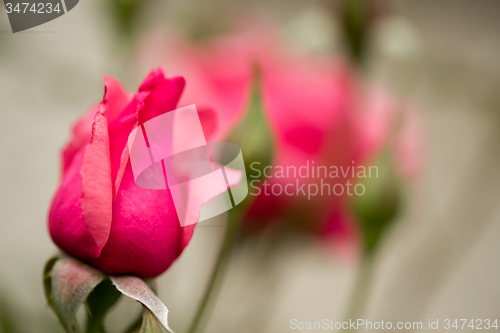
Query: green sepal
[68,282]
[253,133]
[149,323]
[138,290]
[378,207]
[47,284]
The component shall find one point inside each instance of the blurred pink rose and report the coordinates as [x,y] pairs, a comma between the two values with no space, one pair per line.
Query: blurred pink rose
[322,115]
[98,213]
[318,110]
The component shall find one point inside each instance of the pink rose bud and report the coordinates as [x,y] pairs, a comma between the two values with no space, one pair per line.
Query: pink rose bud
[99,214]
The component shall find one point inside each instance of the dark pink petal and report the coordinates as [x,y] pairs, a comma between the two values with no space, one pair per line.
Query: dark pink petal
[119,131]
[155,76]
[146,236]
[163,95]
[208,119]
[66,224]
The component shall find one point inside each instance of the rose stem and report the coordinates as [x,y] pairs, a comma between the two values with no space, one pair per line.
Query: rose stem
[219,270]
[361,289]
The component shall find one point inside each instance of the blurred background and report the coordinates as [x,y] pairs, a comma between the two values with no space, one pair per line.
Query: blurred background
[441,259]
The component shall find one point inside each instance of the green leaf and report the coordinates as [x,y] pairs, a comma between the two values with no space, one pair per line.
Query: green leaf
[99,302]
[149,323]
[68,283]
[137,289]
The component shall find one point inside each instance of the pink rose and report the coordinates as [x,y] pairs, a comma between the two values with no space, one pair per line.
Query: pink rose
[98,213]
[318,109]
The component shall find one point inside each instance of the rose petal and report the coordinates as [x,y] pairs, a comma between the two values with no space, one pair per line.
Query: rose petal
[66,223]
[119,131]
[145,236]
[97,192]
[115,98]
[163,97]
[208,119]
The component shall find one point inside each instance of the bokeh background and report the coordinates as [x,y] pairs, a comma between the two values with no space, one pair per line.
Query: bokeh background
[440,260]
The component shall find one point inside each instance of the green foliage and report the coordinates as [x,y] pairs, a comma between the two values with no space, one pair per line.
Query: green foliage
[125,13]
[253,133]
[378,207]
[355,25]
[8,318]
